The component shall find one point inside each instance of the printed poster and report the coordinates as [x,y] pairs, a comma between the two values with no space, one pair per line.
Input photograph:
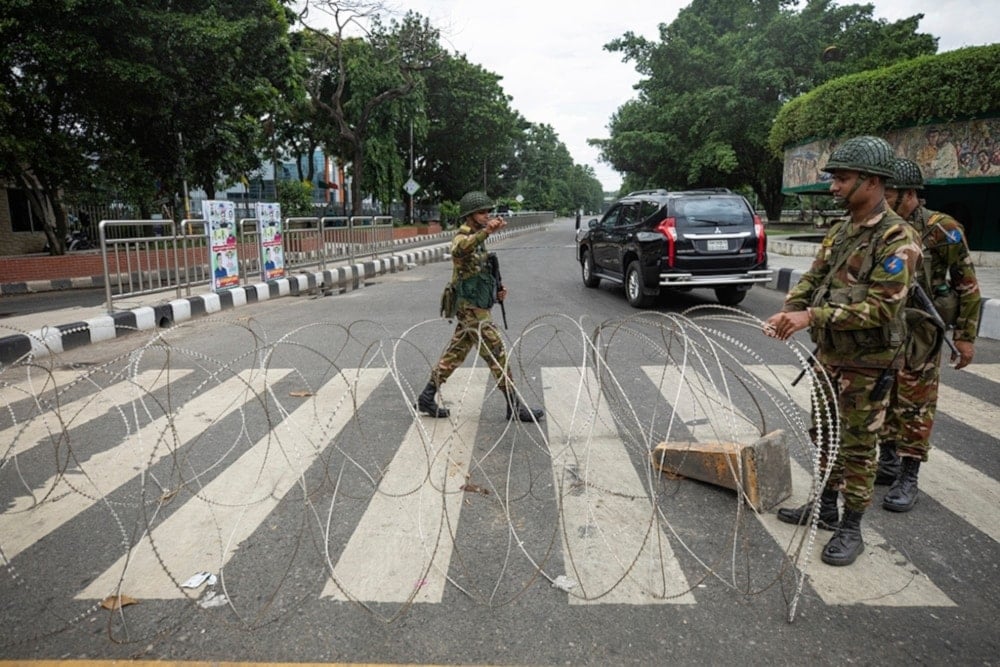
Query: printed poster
[220,225]
[272,255]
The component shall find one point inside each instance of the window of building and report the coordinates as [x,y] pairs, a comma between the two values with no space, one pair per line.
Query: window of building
[22,219]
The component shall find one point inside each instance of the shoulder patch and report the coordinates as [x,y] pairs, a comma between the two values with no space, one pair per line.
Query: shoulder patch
[953,236]
[893,265]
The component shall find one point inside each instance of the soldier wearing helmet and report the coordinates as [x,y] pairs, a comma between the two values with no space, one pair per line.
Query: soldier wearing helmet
[851,299]
[947,275]
[476,294]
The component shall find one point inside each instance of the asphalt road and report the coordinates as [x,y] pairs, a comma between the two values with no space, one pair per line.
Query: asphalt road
[274,447]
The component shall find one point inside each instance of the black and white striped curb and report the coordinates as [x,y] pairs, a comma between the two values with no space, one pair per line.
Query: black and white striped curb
[58,338]
[81,282]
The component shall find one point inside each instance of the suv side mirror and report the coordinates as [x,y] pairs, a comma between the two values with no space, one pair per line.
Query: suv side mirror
[592,223]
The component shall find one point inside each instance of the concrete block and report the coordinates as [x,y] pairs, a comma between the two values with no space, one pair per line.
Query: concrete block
[761,470]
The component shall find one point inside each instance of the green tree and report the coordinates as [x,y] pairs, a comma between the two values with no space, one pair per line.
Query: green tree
[86,102]
[717,77]
[470,131]
[354,78]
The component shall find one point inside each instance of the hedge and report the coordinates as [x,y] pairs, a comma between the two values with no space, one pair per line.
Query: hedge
[956,85]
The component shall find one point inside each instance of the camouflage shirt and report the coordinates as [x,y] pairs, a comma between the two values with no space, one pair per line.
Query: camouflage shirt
[857,288]
[470,271]
[948,267]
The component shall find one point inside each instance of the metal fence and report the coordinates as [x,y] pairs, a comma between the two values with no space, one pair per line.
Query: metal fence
[151,256]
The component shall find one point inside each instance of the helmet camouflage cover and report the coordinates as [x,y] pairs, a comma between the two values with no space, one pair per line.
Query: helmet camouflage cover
[868,155]
[907,175]
[472,202]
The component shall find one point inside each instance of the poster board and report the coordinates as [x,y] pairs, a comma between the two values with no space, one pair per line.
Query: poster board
[270,233]
[220,226]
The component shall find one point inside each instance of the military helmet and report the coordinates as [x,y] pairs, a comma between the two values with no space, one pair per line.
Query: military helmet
[907,175]
[868,155]
[472,202]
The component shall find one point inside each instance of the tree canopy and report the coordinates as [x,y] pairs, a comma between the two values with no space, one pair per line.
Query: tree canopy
[965,84]
[87,103]
[201,93]
[719,75]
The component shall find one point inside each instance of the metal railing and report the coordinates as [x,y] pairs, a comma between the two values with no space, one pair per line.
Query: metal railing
[151,256]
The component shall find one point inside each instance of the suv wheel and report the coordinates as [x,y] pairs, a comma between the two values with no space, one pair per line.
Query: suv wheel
[635,288]
[587,267]
[730,296]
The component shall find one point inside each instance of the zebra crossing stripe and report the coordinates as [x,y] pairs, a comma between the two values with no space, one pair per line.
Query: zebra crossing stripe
[203,534]
[882,576]
[402,548]
[613,547]
[105,471]
[35,382]
[989,372]
[971,411]
[958,486]
[49,424]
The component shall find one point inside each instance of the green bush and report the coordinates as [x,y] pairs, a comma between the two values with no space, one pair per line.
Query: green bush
[950,86]
[296,199]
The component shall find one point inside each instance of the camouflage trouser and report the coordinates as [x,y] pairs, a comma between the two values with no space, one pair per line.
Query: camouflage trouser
[474,328]
[911,409]
[861,420]
[913,403]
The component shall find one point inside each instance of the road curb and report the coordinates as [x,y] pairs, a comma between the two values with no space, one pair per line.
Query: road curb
[60,338]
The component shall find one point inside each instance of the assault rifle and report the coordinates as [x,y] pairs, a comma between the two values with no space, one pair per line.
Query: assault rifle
[927,306]
[494,264]
[812,359]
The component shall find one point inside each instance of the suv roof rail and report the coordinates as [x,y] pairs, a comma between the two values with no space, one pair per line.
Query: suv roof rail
[657,191]
[725,191]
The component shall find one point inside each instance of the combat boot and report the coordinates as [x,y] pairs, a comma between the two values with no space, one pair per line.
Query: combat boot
[902,494]
[829,515]
[523,412]
[846,544]
[427,402]
[888,464]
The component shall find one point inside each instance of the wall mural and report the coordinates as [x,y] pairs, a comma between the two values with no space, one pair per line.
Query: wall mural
[945,151]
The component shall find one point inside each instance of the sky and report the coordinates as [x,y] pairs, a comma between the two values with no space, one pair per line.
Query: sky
[553,63]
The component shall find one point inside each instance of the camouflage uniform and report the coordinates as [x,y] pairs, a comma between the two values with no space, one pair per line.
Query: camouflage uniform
[476,293]
[949,278]
[859,330]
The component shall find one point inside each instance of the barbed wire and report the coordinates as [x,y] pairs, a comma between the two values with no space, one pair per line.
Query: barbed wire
[260,465]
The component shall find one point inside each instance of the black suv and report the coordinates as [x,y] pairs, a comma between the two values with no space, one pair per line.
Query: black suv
[655,239]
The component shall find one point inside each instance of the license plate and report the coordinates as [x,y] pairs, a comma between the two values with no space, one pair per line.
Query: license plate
[718,244]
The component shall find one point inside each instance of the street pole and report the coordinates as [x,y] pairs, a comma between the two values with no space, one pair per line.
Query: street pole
[410,216]
[187,200]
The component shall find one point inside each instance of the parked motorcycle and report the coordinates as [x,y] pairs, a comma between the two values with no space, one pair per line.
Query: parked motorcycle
[76,237]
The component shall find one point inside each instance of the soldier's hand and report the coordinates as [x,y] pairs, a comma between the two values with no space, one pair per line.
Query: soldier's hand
[966,351]
[495,224]
[783,325]
[501,293]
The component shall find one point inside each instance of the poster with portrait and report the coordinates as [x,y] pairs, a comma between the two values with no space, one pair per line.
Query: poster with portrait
[272,256]
[220,225]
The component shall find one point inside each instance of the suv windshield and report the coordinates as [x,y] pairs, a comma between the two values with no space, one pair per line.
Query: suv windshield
[714,211]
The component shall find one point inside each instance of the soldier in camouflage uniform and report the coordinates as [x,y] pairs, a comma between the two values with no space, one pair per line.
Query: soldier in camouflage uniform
[949,279]
[851,299]
[476,292]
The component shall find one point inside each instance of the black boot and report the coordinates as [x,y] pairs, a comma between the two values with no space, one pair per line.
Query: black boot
[846,544]
[829,516]
[427,403]
[888,464]
[902,494]
[524,413]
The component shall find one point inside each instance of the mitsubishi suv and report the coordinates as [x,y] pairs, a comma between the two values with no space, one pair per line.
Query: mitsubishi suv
[656,240]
